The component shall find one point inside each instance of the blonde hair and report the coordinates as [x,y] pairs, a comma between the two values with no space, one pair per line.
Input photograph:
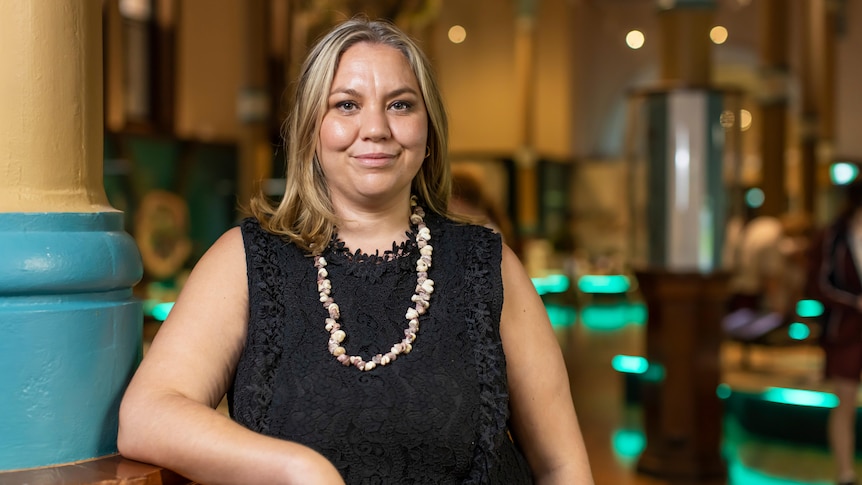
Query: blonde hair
[305,214]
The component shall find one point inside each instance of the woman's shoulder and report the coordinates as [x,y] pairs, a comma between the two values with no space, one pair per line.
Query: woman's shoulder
[464,229]
[254,234]
[229,243]
[466,243]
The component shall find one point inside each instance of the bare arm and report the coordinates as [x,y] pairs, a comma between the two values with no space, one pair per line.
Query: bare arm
[543,415]
[167,415]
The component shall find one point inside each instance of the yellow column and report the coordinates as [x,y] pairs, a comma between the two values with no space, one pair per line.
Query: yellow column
[51,94]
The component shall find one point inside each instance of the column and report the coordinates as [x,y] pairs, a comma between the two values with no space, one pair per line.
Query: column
[253,104]
[817,67]
[684,218]
[686,54]
[773,99]
[526,158]
[70,328]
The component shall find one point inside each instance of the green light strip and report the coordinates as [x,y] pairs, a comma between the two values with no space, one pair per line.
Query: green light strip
[809,308]
[800,397]
[552,283]
[161,311]
[604,283]
[629,364]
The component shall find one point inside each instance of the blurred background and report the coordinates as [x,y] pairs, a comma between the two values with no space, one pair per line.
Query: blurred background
[549,127]
[563,114]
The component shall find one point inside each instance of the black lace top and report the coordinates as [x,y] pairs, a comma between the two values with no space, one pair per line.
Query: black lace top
[436,415]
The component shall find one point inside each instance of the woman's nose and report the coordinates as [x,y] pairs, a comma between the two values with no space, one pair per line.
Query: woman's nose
[374,124]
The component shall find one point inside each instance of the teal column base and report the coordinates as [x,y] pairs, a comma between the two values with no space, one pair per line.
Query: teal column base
[70,335]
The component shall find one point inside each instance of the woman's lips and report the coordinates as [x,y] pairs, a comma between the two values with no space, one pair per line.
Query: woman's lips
[374,159]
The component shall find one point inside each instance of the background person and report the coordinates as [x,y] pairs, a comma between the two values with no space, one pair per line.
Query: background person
[470,200]
[834,279]
[360,333]
[766,256]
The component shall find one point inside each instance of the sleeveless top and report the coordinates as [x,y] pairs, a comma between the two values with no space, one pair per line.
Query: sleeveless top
[436,415]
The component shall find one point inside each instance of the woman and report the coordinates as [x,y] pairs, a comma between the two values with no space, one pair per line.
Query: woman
[295,312]
[835,281]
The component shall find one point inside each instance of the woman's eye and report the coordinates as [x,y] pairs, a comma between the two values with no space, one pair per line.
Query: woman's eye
[401,106]
[346,106]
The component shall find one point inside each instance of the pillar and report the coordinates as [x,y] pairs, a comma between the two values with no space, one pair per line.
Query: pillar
[773,100]
[817,68]
[686,55]
[682,414]
[526,159]
[70,328]
[678,271]
[254,104]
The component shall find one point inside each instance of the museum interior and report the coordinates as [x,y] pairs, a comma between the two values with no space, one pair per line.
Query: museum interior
[618,143]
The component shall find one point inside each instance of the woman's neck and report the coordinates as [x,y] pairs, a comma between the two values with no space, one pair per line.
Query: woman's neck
[374,231]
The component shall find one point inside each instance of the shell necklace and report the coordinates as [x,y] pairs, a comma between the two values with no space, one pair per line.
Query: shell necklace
[421,301]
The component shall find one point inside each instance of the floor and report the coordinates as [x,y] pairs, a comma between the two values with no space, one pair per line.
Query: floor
[612,429]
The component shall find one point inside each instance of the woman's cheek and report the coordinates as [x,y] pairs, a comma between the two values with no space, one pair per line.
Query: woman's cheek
[337,134]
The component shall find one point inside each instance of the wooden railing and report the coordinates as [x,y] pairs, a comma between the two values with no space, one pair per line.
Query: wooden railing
[111,470]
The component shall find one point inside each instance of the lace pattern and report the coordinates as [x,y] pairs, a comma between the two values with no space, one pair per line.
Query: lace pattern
[437,415]
[265,336]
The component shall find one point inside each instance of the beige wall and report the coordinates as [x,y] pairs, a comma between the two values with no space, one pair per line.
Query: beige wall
[477,76]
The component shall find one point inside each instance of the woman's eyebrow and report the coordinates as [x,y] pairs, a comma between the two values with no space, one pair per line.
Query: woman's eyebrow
[391,94]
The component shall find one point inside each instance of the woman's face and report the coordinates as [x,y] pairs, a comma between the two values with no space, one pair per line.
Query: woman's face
[374,131]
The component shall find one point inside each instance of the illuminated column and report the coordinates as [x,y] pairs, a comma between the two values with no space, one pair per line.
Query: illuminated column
[70,329]
[678,187]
